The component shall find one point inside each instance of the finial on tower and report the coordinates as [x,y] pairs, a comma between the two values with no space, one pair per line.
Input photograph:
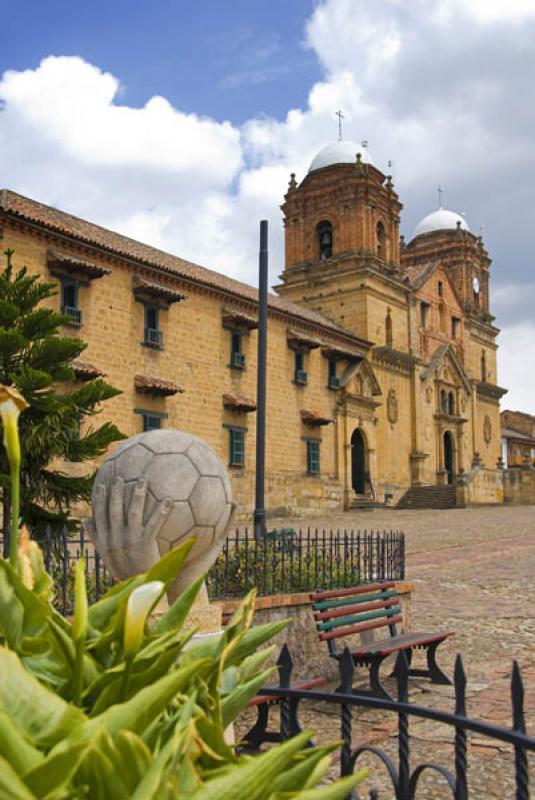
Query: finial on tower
[292,185]
[340,118]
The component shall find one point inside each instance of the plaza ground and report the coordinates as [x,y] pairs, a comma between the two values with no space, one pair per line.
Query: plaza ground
[474,573]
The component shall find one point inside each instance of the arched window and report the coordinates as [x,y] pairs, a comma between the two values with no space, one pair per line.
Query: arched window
[443,401]
[381,240]
[484,367]
[451,403]
[324,233]
[388,329]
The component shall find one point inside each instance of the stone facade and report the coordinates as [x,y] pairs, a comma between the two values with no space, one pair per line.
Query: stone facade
[381,358]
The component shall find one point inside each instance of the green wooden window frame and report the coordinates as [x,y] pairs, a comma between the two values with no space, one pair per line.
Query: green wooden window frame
[70,300]
[237,358]
[151,420]
[153,336]
[313,456]
[300,375]
[236,445]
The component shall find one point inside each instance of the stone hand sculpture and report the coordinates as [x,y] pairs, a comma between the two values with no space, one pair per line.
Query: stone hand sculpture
[154,491]
[110,529]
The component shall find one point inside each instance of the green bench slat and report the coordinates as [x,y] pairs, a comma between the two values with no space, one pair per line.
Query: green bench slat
[352,600]
[342,622]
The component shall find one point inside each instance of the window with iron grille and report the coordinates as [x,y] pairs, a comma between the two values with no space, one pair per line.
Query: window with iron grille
[300,375]
[313,456]
[237,358]
[69,300]
[236,446]
[153,335]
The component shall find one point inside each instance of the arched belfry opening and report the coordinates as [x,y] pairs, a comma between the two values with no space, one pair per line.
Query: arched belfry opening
[449,456]
[358,462]
[324,235]
[380,240]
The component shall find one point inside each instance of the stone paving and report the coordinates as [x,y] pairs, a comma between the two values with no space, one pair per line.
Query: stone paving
[474,574]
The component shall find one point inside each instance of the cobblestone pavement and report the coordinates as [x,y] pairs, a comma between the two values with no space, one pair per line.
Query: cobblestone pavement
[474,572]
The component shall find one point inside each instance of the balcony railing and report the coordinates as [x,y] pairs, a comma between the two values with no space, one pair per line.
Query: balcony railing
[334,382]
[153,338]
[74,313]
[301,377]
[237,360]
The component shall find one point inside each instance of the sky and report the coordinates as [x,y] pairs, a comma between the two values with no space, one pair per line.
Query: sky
[178,123]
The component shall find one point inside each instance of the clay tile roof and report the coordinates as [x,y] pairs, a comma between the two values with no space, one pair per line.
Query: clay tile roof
[18,206]
[71,263]
[233,316]
[509,433]
[239,403]
[303,339]
[85,371]
[146,384]
[342,351]
[314,418]
[150,289]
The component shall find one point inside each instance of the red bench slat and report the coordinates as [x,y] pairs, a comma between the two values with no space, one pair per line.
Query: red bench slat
[369,587]
[338,632]
[268,698]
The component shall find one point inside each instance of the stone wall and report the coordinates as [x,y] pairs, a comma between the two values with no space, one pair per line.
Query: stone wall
[519,485]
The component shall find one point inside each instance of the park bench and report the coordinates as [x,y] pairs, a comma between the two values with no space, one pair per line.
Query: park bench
[341,613]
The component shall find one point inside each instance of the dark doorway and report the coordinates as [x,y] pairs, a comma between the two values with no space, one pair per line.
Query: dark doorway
[358,462]
[448,455]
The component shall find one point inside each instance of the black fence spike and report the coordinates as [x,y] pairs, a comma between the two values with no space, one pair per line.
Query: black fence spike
[285,667]
[401,671]
[459,680]
[517,698]
[347,670]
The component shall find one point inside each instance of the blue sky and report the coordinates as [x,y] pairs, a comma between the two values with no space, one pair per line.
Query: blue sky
[229,59]
[178,123]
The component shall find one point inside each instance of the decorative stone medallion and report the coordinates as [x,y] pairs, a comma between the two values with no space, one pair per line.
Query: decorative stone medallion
[487,429]
[392,411]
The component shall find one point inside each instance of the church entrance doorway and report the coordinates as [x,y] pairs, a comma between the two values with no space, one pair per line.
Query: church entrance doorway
[448,456]
[358,462]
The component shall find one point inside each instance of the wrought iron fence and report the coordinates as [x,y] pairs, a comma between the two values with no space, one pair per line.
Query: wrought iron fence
[403,775]
[284,561]
[289,560]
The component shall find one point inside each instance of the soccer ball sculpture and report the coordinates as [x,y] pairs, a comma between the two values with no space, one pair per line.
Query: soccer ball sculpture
[151,493]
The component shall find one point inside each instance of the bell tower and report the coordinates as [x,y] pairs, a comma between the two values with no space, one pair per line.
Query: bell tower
[344,215]
[342,208]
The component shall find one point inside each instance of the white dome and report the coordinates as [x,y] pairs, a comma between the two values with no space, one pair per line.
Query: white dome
[441,220]
[342,152]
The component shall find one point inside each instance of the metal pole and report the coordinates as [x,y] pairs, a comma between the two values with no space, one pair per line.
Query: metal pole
[260,512]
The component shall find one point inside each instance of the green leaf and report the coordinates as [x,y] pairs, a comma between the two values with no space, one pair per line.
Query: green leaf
[41,716]
[253,778]
[15,748]
[168,567]
[11,786]
[233,703]
[175,616]
[335,791]
[137,713]
[57,769]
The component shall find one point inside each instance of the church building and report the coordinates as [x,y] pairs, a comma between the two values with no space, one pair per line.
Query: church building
[382,384]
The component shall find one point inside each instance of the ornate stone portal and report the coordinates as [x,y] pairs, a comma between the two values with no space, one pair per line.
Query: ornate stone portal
[152,493]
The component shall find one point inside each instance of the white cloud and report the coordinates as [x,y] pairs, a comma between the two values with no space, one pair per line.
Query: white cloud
[437,86]
[516,358]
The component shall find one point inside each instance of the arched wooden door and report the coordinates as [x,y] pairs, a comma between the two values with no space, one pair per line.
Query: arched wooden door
[358,462]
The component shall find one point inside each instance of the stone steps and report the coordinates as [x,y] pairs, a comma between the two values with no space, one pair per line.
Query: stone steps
[363,503]
[429,497]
